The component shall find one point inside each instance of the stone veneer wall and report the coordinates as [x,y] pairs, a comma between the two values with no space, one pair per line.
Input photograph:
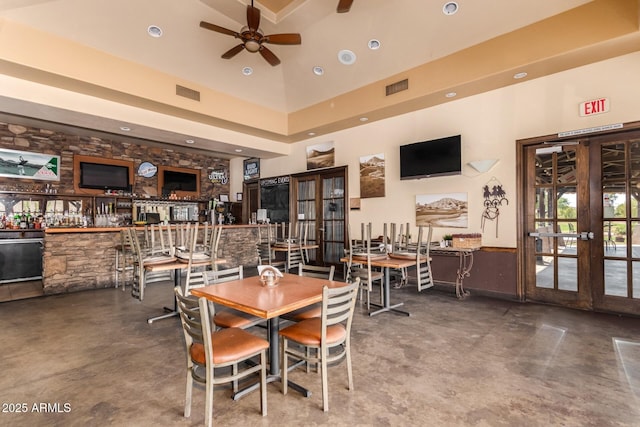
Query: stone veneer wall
[17,137]
[79,261]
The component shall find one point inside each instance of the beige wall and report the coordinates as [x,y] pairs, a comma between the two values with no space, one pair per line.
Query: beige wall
[490,124]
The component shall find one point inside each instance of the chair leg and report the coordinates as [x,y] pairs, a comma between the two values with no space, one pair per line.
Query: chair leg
[234,369]
[325,379]
[349,370]
[187,402]
[208,407]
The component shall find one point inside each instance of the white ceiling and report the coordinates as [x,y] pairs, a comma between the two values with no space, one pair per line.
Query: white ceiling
[411,33]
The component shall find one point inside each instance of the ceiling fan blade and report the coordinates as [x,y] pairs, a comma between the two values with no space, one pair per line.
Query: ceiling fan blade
[344,6]
[233,51]
[218,29]
[269,56]
[292,38]
[253,18]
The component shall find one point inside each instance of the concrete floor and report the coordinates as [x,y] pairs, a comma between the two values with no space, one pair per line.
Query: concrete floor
[477,362]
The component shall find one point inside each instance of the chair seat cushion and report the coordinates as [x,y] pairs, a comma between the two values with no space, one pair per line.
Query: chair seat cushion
[233,319]
[158,259]
[308,332]
[403,255]
[363,274]
[229,345]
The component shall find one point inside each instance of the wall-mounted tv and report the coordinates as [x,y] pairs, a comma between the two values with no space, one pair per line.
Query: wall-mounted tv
[435,157]
[104,176]
[179,181]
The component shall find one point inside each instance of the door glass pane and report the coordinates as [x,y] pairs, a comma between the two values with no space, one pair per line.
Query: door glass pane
[636,279]
[544,168]
[568,274]
[544,203]
[544,244]
[566,203]
[635,195]
[615,278]
[634,237]
[613,163]
[566,166]
[614,233]
[613,202]
[544,272]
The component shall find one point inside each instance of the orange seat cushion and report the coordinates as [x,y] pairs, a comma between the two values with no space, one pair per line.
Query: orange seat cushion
[232,319]
[308,332]
[229,345]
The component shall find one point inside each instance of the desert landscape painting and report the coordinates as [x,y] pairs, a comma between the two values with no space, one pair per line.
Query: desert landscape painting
[442,210]
[320,156]
[372,176]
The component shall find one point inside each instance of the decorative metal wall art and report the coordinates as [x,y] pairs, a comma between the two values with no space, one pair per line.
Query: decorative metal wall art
[494,197]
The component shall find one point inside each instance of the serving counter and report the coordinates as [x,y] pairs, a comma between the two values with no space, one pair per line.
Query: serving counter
[84,258]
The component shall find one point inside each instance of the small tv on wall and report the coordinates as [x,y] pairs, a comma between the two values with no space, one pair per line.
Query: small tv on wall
[436,157]
[181,181]
[104,176]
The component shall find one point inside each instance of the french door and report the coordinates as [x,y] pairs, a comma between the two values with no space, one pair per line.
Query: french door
[320,203]
[580,245]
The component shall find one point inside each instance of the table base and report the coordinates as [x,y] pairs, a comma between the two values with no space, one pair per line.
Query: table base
[169,312]
[384,308]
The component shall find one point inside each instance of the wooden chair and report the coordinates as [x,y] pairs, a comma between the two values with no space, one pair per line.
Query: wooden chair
[329,335]
[359,266]
[312,311]
[227,317]
[207,351]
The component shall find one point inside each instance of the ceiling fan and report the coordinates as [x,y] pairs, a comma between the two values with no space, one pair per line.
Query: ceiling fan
[253,38]
[344,6]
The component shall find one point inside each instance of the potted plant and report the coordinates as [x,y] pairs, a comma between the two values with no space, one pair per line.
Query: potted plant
[448,240]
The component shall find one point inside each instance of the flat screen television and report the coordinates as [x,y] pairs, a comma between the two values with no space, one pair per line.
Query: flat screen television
[435,157]
[179,181]
[104,176]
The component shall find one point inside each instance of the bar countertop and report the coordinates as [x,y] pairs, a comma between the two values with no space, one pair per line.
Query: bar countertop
[57,230]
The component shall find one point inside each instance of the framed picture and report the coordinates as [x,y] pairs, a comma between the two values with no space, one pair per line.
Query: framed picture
[28,165]
[239,197]
[320,156]
[224,197]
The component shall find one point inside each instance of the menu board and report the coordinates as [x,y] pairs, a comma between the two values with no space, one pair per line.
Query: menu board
[274,197]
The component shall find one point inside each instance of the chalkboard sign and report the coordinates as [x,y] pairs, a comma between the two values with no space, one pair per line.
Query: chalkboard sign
[274,197]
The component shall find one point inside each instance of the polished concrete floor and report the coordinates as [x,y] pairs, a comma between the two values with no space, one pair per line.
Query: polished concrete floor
[92,359]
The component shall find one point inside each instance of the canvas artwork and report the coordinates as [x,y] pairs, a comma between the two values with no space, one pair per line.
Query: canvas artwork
[28,165]
[320,156]
[372,176]
[442,210]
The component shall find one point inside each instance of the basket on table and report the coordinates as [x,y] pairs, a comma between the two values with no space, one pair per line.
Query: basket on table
[467,241]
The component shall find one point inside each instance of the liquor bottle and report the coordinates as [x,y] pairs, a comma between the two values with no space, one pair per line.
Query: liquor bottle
[23,221]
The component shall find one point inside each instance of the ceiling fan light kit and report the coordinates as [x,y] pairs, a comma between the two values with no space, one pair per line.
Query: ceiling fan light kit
[252,37]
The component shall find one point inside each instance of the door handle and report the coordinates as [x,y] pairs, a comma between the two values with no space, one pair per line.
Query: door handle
[583,235]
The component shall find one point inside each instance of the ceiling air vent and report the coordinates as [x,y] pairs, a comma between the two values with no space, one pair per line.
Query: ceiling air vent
[187,93]
[397,87]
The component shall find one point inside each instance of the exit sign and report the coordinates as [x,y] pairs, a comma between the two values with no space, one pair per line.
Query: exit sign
[595,106]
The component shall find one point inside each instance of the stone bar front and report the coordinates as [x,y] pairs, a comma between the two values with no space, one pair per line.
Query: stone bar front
[76,259]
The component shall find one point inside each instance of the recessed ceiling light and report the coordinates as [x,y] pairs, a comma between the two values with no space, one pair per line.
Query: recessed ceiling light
[450,8]
[450,94]
[364,119]
[311,133]
[189,141]
[520,75]
[238,150]
[346,57]
[374,44]
[318,70]
[247,71]
[125,128]
[154,31]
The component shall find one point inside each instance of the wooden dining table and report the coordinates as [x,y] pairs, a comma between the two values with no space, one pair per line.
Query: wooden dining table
[250,296]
